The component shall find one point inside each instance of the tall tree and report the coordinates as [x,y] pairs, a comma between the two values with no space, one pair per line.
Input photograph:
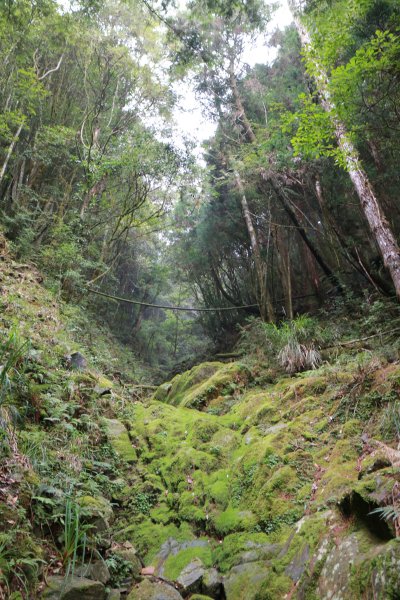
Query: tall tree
[370,204]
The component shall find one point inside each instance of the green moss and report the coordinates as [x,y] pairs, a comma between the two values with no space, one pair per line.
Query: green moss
[195,388]
[119,440]
[233,519]
[95,506]
[277,586]
[175,563]
[219,491]
[340,464]
[161,514]
[148,537]
[352,427]
[190,508]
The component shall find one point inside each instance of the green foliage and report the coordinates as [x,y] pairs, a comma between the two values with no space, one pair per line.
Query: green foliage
[12,351]
[177,562]
[291,344]
[120,569]
[74,538]
[18,564]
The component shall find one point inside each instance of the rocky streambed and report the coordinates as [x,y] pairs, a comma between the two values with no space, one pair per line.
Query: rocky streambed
[238,491]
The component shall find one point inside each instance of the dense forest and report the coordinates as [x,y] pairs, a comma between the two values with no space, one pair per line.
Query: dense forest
[140,250]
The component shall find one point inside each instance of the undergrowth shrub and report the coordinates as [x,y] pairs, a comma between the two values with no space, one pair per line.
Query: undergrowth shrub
[291,345]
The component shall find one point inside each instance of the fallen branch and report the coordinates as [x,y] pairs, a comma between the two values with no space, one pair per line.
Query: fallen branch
[363,339]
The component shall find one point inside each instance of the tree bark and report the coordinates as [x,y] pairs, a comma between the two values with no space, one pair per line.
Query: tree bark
[264,299]
[96,190]
[373,212]
[10,151]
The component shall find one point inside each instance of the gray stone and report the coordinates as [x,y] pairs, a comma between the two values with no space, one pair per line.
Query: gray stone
[119,439]
[191,576]
[299,563]
[172,547]
[96,570]
[77,362]
[385,578]
[154,590]
[97,512]
[212,583]
[73,588]
[102,390]
[162,391]
[335,576]
[258,552]
[114,595]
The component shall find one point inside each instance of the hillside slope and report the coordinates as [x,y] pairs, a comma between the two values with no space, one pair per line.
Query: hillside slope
[215,487]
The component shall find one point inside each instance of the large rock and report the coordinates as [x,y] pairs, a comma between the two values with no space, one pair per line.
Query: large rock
[96,570]
[244,581]
[73,588]
[130,556]
[299,564]
[77,362]
[154,590]
[335,575]
[191,576]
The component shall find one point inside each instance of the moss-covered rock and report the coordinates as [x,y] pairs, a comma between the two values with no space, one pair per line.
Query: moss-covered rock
[197,387]
[119,439]
[73,588]
[97,512]
[244,581]
[154,590]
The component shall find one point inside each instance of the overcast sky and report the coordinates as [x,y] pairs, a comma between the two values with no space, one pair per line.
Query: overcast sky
[189,119]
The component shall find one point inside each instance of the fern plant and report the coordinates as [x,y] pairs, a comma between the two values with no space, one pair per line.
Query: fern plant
[14,567]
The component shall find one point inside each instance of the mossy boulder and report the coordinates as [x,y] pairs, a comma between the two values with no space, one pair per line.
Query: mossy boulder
[96,570]
[233,519]
[154,590]
[151,538]
[244,581]
[119,440]
[191,577]
[73,588]
[178,556]
[197,387]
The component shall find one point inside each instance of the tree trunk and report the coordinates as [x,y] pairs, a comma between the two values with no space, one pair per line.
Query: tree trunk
[96,190]
[241,113]
[264,299]
[10,151]
[377,220]
[265,302]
